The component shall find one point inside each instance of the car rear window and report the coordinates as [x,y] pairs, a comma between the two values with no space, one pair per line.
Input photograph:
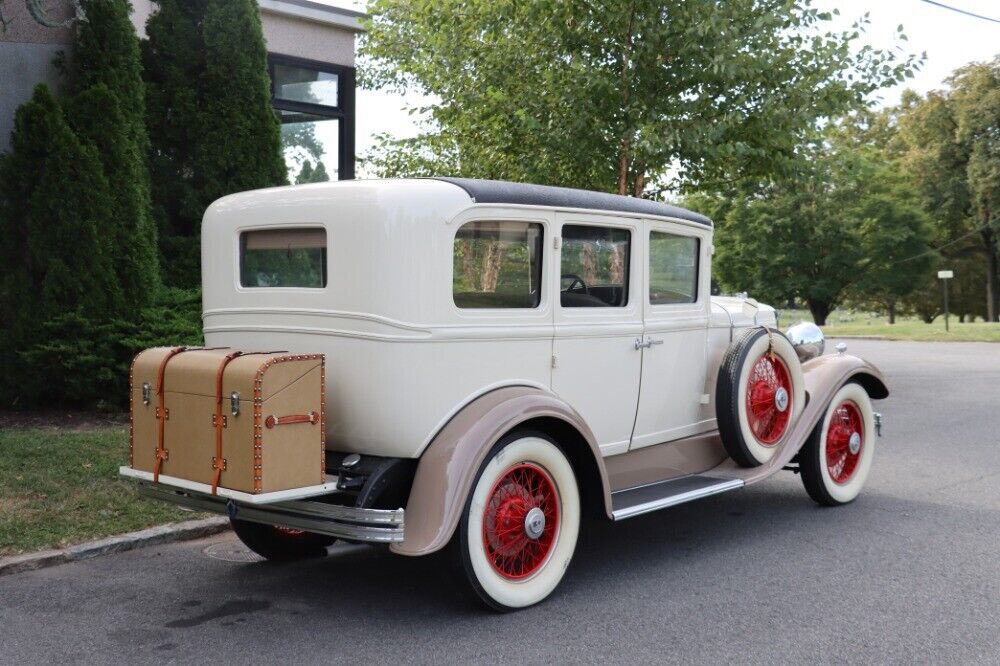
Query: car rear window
[497,264]
[283,258]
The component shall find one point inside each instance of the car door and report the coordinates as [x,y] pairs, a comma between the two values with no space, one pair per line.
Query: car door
[598,320]
[673,400]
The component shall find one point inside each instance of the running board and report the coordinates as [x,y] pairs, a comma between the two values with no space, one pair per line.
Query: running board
[660,495]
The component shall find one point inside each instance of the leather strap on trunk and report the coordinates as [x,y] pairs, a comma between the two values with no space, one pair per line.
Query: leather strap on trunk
[272,421]
[161,412]
[219,462]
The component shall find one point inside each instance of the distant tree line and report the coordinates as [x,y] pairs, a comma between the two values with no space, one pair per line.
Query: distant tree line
[103,189]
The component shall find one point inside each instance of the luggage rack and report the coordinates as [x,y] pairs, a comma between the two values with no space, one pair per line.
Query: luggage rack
[287,508]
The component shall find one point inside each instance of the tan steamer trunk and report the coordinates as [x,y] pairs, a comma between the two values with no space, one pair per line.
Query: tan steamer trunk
[271,432]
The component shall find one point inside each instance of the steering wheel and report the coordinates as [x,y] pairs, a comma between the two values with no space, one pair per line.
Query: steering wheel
[576,280]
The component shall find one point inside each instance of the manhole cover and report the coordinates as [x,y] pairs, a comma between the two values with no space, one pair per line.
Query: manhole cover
[232,551]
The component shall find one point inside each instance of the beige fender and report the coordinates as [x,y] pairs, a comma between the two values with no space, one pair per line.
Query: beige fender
[450,463]
[823,377]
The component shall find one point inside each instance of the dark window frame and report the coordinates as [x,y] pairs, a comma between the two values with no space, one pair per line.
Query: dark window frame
[344,111]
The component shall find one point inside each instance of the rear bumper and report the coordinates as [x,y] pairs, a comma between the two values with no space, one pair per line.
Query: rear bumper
[343,522]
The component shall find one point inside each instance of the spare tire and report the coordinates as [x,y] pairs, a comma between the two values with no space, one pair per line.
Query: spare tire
[759,395]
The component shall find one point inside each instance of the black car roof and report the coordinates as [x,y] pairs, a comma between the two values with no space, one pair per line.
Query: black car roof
[504,192]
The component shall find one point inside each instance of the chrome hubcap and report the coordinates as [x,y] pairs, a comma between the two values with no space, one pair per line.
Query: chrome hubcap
[781,399]
[534,523]
[854,443]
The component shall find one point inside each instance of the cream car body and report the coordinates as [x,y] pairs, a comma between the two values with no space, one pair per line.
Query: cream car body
[403,359]
[608,390]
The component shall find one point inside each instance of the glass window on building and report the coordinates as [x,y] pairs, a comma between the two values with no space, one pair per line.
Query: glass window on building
[315,104]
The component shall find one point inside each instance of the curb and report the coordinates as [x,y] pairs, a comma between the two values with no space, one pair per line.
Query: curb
[154,536]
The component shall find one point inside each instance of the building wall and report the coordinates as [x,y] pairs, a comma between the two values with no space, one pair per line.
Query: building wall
[306,39]
[287,35]
[27,51]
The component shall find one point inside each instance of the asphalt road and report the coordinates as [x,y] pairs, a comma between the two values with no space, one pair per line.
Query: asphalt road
[909,573]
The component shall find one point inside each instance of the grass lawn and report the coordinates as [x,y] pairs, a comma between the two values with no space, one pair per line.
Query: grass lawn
[58,488]
[846,323]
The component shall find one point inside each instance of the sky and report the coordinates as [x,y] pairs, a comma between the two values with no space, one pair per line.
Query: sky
[950,40]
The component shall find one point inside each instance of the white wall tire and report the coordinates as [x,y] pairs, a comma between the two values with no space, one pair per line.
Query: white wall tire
[759,396]
[511,561]
[837,458]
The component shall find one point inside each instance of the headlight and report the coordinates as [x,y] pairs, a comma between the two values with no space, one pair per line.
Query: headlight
[807,339]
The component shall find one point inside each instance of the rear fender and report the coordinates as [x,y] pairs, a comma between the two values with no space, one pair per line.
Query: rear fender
[449,465]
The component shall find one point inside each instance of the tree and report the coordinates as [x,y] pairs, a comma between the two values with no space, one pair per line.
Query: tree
[975,99]
[894,231]
[173,58]
[894,234]
[846,226]
[241,145]
[953,155]
[308,174]
[56,258]
[211,126]
[794,241]
[106,108]
[612,96]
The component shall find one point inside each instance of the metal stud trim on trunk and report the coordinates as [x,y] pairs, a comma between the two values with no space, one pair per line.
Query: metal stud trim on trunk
[258,417]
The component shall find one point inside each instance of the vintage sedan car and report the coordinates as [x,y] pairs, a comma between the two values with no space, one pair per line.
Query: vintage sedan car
[501,360]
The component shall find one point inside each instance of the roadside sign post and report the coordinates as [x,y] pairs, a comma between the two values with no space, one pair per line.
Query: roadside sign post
[944,276]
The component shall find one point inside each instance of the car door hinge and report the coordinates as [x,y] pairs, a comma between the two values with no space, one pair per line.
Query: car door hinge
[556,242]
[555,361]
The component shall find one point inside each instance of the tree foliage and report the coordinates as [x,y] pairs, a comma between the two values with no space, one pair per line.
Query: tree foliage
[209,114]
[106,108]
[975,100]
[950,148]
[847,226]
[614,96]
[56,256]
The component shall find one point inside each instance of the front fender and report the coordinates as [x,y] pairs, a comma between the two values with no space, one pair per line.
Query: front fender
[449,465]
[823,377]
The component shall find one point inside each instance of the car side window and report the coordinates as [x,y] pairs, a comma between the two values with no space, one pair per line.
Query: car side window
[673,268]
[497,264]
[594,266]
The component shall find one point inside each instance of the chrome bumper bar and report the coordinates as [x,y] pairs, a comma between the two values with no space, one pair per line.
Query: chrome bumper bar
[343,522]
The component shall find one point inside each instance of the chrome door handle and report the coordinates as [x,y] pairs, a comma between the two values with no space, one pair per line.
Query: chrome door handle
[639,344]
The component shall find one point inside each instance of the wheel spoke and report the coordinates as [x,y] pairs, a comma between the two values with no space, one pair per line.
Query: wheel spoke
[766,377]
[845,422]
[508,547]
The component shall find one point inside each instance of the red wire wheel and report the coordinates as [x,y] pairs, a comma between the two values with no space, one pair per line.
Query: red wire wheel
[845,440]
[511,547]
[769,399]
